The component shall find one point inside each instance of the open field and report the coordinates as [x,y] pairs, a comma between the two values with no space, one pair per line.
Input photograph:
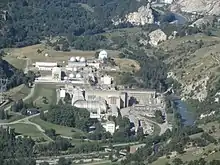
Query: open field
[61,130]
[18,63]
[28,130]
[43,90]
[127,65]
[37,53]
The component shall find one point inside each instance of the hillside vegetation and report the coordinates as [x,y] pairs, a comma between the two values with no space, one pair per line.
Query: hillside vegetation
[29,21]
[194,62]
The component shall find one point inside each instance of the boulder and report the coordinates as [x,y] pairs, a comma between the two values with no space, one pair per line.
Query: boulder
[156,37]
[143,16]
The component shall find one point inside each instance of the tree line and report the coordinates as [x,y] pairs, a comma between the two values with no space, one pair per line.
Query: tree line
[15,151]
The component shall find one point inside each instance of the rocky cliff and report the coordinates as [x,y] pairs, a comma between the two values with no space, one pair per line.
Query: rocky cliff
[209,7]
[143,16]
[156,37]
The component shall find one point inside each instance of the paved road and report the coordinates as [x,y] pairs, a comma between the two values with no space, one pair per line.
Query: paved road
[27,121]
[122,144]
[163,127]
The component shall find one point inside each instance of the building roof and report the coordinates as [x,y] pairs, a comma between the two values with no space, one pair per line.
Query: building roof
[90,105]
[107,92]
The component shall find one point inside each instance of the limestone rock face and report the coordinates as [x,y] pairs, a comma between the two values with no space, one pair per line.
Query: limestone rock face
[143,16]
[204,20]
[209,7]
[157,36]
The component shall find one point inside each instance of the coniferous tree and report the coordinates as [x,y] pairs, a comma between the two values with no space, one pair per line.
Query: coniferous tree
[2,114]
[6,115]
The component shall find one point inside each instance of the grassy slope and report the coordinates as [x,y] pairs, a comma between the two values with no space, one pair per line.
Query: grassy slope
[191,68]
[18,55]
[61,130]
[196,153]
[43,90]
[28,130]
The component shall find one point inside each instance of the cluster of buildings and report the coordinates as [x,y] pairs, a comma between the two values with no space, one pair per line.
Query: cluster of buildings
[89,88]
[134,104]
[78,70]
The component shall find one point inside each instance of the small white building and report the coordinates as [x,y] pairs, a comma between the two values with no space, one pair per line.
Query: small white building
[45,65]
[168,1]
[107,80]
[109,127]
[56,73]
[62,93]
[103,54]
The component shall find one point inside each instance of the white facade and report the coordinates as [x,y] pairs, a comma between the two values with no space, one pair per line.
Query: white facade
[62,93]
[72,64]
[45,65]
[56,73]
[107,80]
[168,1]
[103,54]
[94,64]
[109,127]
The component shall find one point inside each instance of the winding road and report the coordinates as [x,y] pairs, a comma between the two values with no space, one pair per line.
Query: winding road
[26,119]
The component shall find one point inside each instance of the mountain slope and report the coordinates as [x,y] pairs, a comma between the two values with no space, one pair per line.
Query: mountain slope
[15,77]
[29,21]
[210,7]
[194,63]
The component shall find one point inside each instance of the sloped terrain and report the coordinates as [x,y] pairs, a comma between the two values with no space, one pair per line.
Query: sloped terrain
[210,7]
[194,63]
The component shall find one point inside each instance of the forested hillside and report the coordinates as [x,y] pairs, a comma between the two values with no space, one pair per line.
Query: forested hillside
[27,22]
[15,151]
[15,77]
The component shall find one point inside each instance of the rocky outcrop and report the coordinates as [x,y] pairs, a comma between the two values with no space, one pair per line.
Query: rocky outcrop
[143,16]
[203,7]
[156,37]
[203,21]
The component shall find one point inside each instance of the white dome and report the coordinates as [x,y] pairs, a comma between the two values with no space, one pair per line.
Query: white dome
[75,69]
[78,75]
[82,59]
[71,75]
[77,58]
[65,78]
[103,54]
[73,59]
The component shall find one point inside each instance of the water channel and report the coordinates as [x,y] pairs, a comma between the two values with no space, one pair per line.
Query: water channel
[187,116]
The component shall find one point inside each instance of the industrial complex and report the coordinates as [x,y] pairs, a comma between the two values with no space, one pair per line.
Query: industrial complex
[90,88]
